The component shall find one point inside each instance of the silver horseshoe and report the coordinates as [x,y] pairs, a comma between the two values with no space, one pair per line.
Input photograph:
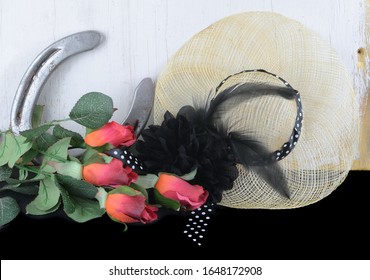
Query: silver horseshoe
[46,62]
[141,106]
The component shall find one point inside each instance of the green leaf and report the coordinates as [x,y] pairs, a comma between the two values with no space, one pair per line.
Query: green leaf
[107,159]
[124,190]
[4,149]
[68,203]
[189,176]
[29,156]
[9,209]
[93,110]
[92,156]
[23,174]
[140,189]
[77,187]
[31,209]
[12,148]
[88,130]
[86,209]
[5,172]
[37,115]
[70,168]
[22,178]
[101,197]
[28,190]
[45,170]
[166,202]
[32,134]
[72,158]
[58,151]
[48,195]
[103,148]
[12,181]
[45,140]
[147,181]
[76,139]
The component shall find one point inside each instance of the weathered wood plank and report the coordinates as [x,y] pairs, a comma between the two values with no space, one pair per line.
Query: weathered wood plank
[141,35]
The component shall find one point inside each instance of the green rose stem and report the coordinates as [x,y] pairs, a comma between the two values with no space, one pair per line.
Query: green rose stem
[55,122]
[29,169]
[53,156]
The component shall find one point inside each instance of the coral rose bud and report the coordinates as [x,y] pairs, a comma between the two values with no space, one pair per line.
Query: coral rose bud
[109,174]
[126,208]
[112,133]
[190,196]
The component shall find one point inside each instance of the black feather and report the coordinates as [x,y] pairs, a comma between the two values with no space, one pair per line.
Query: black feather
[273,175]
[242,93]
[249,152]
[254,156]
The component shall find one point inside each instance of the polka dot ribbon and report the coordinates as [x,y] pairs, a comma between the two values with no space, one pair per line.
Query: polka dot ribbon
[127,158]
[288,146]
[198,222]
[199,219]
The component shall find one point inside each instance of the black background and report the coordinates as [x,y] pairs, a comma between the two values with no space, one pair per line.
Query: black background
[336,227]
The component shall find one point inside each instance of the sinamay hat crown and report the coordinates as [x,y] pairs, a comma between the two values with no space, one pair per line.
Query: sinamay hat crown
[259,40]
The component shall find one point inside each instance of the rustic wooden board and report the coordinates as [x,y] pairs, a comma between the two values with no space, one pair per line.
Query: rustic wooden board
[141,35]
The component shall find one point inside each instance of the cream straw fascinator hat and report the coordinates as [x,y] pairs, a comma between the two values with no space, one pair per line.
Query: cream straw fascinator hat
[282,47]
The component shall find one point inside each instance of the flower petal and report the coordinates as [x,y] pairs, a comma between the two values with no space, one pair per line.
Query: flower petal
[130,208]
[125,208]
[148,214]
[111,174]
[167,182]
[190,196]
[112,133]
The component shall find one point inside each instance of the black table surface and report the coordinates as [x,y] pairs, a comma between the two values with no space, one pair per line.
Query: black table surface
[336,227]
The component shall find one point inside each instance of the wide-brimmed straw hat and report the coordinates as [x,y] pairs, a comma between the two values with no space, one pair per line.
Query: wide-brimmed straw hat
[288,53]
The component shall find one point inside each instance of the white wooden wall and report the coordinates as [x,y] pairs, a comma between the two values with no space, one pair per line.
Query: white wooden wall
[140,36]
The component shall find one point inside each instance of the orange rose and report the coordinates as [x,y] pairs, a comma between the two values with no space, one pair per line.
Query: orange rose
[189,196]
[126,208]
[109,174]
[112,133]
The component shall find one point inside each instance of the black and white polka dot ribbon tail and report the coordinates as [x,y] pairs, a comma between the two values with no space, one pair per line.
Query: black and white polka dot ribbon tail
[198,222]
[128,159]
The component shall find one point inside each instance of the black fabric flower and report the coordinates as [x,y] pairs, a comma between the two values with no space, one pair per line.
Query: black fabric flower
[181,144]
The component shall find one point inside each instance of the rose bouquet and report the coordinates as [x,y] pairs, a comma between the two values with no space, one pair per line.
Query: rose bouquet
[57,169]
